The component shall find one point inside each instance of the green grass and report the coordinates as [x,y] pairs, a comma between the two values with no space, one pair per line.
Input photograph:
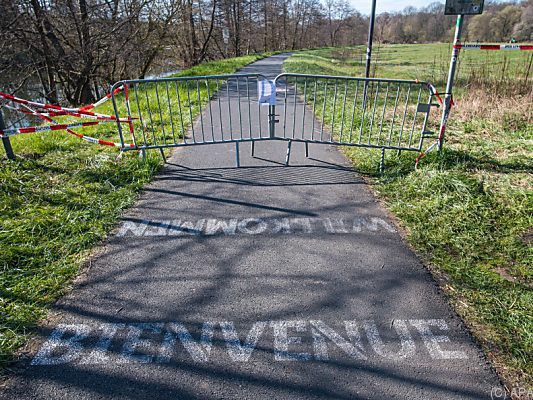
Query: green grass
[468,211]
[59,199]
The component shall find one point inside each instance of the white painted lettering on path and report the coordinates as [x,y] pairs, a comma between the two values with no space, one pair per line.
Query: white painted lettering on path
[287,341]
[254,226]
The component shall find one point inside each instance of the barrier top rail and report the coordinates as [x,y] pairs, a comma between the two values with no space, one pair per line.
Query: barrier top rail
[186,78]
[237,76]
[353,78]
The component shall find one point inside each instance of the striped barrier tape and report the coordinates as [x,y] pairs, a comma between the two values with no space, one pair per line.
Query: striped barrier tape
[130,124]
[75,112]
[435,93]
[102,100]
[44,128]
[493,46]
[99,118]
[79,135]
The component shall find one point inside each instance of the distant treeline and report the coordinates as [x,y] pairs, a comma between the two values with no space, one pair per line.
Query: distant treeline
[71,49]
[500,22]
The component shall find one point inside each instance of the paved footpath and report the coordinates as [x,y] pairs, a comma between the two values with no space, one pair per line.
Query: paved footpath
[259,282]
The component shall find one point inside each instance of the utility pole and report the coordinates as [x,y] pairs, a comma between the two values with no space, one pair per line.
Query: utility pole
[448,99]
[459,8]
[370,38]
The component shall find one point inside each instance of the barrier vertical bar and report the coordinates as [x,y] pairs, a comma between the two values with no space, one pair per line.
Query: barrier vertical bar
[5,140]
[451,76]
[117,115]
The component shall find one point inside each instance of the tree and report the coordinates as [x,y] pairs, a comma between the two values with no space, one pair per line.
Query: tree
[523,30]
[338,13]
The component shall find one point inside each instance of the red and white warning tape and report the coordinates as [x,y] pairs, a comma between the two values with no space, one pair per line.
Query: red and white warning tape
[74,112]
[79,135]
[435,93]
[494,46]
[81,112]
[102,100]
[97,117]
[44,128]
[130,123]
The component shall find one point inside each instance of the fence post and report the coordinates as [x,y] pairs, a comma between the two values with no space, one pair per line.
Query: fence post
[449,84]
[5,140]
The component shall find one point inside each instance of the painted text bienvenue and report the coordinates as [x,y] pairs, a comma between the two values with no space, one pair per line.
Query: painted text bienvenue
[294,340]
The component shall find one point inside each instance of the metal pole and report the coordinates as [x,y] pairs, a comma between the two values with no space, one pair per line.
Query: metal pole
[449,84]
[370,38]
[5,140]
[369,50]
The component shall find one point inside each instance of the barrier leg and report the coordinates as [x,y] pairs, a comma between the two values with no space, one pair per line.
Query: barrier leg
[289,144]
[306,150]
[237,154]
[163,155]
[382,161]
[253,148]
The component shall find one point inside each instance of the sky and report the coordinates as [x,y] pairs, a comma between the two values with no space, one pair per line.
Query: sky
[363,6]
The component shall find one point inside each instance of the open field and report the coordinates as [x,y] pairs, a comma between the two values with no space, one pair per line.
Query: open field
[57,201]
[468,212]
[427,62]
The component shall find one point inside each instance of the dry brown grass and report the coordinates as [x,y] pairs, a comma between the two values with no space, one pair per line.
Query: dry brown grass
[512,111]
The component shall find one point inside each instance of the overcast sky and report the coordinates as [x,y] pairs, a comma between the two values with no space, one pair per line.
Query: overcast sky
[363,6]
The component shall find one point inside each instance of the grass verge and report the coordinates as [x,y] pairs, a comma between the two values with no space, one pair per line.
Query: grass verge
[468,211]
[59,199]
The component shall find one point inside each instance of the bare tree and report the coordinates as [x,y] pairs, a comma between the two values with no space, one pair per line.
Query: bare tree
[73,50]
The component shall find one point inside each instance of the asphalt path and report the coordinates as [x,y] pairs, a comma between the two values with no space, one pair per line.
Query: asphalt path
[263,281]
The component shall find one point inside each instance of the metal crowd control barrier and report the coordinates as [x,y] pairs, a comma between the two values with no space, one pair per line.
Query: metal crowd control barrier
[186,111]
